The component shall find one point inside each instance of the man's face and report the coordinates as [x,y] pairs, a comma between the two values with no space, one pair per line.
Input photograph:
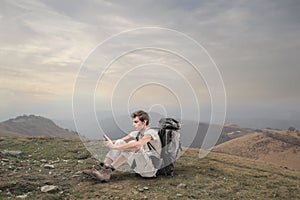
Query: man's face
[137,124]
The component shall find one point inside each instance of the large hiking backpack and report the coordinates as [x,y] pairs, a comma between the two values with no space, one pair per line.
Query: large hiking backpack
[169,135]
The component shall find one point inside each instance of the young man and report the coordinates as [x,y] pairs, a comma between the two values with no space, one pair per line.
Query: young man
[139,148]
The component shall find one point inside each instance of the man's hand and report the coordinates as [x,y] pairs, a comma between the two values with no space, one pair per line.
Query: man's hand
[109,144]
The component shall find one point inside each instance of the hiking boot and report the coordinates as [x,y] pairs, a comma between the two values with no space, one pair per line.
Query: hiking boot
[103,175]
[90,173]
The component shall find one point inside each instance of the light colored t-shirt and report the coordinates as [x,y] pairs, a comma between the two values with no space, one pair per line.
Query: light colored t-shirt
[155,142]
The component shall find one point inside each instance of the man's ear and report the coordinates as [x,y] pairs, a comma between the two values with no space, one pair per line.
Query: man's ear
[145,122]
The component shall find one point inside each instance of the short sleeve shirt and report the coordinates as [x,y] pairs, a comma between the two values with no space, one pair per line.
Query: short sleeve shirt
[155,142]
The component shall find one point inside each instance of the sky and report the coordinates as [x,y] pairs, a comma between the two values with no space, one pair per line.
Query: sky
[233,60]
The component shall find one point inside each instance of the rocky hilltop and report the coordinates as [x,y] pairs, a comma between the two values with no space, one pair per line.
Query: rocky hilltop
[32,125]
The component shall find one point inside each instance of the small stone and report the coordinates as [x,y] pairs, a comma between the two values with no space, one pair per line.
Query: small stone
[49,188]
[135,192]
[49,166]
[24,196]
[140,189]
[5,160]
[181,185]
[43,160]
[179,195]
[145,188]
[12,153]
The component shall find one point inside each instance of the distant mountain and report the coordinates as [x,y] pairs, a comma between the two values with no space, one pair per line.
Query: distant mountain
[192,132]
[33,126]
[228,132]
[232,131]
[278,147]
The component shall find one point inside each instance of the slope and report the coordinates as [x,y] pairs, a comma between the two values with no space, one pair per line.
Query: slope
[278,147]
[59,162]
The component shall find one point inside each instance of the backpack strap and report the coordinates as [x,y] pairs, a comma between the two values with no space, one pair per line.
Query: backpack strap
[150,146]
[137,136]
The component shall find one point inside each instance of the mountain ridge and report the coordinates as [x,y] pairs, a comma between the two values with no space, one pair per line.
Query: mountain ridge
[32,125]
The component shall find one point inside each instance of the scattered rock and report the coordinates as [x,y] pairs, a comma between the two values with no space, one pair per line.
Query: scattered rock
[135,192]
[43,160]
[145,188]
[181,185]
[49,188]
[24,196]
[120,187]
[179,195]
[4,160]
[11,153]
[78,173]
[47,166]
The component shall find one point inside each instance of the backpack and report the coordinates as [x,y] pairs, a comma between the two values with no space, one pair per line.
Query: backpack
[169,135]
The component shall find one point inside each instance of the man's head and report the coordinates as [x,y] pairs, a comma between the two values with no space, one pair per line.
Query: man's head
[140,120]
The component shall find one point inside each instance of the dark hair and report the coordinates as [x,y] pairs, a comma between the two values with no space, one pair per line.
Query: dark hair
[142,115]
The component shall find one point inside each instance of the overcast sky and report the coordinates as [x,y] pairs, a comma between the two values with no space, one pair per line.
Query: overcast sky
[255,46]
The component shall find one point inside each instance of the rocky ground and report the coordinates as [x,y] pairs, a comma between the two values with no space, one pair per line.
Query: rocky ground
[51,168]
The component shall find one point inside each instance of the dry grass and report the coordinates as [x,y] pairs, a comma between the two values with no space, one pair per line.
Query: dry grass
[277,147]
[217,176]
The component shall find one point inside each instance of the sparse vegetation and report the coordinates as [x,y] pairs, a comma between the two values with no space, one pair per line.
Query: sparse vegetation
[277,147]
[217,176]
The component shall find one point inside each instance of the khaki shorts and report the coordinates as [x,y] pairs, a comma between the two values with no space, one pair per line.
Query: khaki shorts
[139,160]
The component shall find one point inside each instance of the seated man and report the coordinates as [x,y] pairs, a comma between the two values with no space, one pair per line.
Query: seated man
[135,149]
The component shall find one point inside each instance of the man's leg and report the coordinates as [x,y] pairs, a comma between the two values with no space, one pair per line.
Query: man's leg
[113,154]
[113,159]
[118,161]
[108,160]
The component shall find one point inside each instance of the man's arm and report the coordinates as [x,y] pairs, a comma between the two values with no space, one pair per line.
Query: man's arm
[127,138]
[133,146]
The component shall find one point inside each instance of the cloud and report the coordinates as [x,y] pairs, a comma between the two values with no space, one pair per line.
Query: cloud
[255,44]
